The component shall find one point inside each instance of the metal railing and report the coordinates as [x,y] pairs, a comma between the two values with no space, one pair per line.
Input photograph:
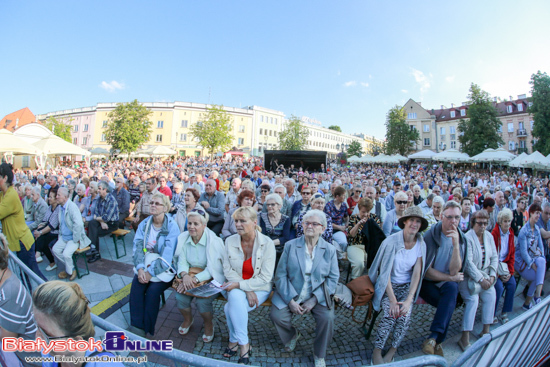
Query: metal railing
[524,341]
[429,360]
[178,358]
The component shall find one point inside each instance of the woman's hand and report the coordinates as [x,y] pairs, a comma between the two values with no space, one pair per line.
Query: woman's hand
[252,299]
[142,276]
[505,277]
[308,305]
[295,308]
[186,284]
[394,309]
[230,286]
[36,234]
[534,266]
[405,307]
[485,284]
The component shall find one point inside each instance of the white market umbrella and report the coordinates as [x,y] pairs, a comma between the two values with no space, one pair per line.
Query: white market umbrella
[451,155]
[423,154]
[14,144]
[366,158]
[54,145]
[160,150]
[99,151]
[354,158]
[491,155]
[518,161]
[537,161]
[400,158]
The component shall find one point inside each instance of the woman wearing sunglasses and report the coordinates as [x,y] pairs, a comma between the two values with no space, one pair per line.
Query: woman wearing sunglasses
[154,246]
[390,225]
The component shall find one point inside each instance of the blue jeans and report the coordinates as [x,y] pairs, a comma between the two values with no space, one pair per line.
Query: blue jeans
[28,257]
[145,303]
[510,287]
[444,299]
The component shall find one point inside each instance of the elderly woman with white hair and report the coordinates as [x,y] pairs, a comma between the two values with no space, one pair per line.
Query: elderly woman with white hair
[274,224]
[27,202]
[71,186]
[306,273]
[434,216]
[280,190]
[504,237]
[390,225]
[199,258]
[80,197]
[39,209]
[154,246]
[318,203]
[248,264]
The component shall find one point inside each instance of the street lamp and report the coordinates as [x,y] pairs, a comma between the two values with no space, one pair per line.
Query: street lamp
[442,146]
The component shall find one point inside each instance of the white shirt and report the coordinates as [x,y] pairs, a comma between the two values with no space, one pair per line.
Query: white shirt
[307,289]
[504,245]
[403,264]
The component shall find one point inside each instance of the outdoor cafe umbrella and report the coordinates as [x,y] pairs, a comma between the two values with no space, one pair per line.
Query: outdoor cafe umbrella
[54,145]
[518,161]
[14,144]
[354,158]
[491,155]
[423,154]
[536,161]
[451,155]
[160,150]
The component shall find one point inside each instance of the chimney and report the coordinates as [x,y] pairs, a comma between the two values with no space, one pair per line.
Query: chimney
[16,123]
[452,105]
[495,99]
[511,99]
[442,107]
[522,96]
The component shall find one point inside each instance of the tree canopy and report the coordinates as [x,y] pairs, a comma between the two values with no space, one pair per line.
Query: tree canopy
[355,148]
[128,127]
[540,91]
[294,135]
[399,136]
[215,131]
[481,130]
[60,128]
[335,128]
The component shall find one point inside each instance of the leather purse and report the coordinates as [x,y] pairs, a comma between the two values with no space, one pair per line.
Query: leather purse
[503,269]
[192,272]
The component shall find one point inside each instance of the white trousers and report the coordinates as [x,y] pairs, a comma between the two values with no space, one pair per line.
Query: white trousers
[64,252]
[236,312]
[471,301]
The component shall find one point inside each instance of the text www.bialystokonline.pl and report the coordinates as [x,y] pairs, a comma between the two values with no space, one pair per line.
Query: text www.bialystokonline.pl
[72,359]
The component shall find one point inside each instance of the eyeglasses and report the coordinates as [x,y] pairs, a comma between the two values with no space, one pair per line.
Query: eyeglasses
[452,217]
[48,338]
[306,193]
[358,191]
[153,203]
[482,224]
[312,224]
[401,202]
[265,190]
[199,211]
[269,205]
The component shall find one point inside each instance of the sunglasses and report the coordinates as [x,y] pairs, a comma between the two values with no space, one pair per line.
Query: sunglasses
[199,211]
[401,202]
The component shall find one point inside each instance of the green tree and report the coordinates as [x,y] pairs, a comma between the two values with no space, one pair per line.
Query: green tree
[215,132]
[60,128]
[540,110]
[294,135]
[335,128]
[355,148]
[129,126]
[400,138]
[480,130]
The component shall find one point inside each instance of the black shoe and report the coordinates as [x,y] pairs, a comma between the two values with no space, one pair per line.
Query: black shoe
[245,358]
[94,258]
[525,291]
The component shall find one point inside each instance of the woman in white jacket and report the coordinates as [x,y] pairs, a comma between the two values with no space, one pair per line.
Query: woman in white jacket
[199,258]
[479,278]
[396,273]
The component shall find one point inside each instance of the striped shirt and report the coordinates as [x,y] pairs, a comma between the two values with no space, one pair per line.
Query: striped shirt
[107,209]
[52,219]
[16,308]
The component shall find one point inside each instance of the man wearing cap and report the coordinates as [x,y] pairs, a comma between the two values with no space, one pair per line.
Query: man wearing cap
[389,199]
[446,251]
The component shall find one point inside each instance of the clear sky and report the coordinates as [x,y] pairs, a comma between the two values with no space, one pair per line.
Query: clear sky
[340,62]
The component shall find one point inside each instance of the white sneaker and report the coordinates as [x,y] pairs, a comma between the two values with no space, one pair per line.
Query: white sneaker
[50,268]
[39,259]
[319,362]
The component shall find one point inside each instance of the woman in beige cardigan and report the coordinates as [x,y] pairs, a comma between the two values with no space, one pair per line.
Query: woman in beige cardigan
[248,265]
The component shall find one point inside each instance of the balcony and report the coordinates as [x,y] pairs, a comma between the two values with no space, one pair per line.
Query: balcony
[522,133]
[523,150]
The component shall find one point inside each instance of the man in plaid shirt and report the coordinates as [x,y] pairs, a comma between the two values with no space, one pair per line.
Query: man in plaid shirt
[105,219]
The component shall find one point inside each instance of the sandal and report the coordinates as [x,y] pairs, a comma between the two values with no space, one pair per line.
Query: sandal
[462,346]
[246,360]
[185,330]
[230,352]
[208,339]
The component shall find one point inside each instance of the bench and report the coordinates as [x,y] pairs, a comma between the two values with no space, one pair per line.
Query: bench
[119,233]
[82,254]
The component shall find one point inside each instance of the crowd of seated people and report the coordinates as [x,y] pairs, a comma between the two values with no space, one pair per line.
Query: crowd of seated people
[431,233]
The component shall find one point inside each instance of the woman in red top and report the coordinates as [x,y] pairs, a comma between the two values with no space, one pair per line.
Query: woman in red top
[354,198]
[504,242]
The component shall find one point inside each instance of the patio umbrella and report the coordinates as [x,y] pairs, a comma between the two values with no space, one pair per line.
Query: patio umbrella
[14,144]
[354,158]
[160,150]
[491,155]
[537,161]
[424,154]
[400,158]
[99,151]
[518,161]
[451,155]
[54,145]
[365,158]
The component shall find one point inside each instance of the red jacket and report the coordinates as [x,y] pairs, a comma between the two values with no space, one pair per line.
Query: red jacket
[511,248]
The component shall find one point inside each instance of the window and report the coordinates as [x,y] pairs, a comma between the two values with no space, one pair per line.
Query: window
[159,138]
[412,127]
[530,104]
[452,129]
[511,145]
[509,108]
[104,124]
[275,133]
[463,112]
[411,115]
[453,137]
[102,137]
[521,125]
[520,107]
[75,128]
[183,137]
[85,127]
[522,144]
[160,124]
[426,128]
[270,132]
[241,141]
[442,131]
[453,144]
[75,141]
[532,123]
[85,140]
[510,127]
[426,141]
[499,129]
[275,121]
[453,114]
[199,123]
[442,138]
[241,128]
[183,123]
[262,118]
[261,131]
[26,161]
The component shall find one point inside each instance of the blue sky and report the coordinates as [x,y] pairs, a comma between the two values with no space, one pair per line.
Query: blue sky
[340,62]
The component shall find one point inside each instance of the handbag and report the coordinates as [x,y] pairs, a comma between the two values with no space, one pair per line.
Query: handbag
[328,297]
[192,272]
[473,287]
[363,291]
[503,269]
[166,276]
